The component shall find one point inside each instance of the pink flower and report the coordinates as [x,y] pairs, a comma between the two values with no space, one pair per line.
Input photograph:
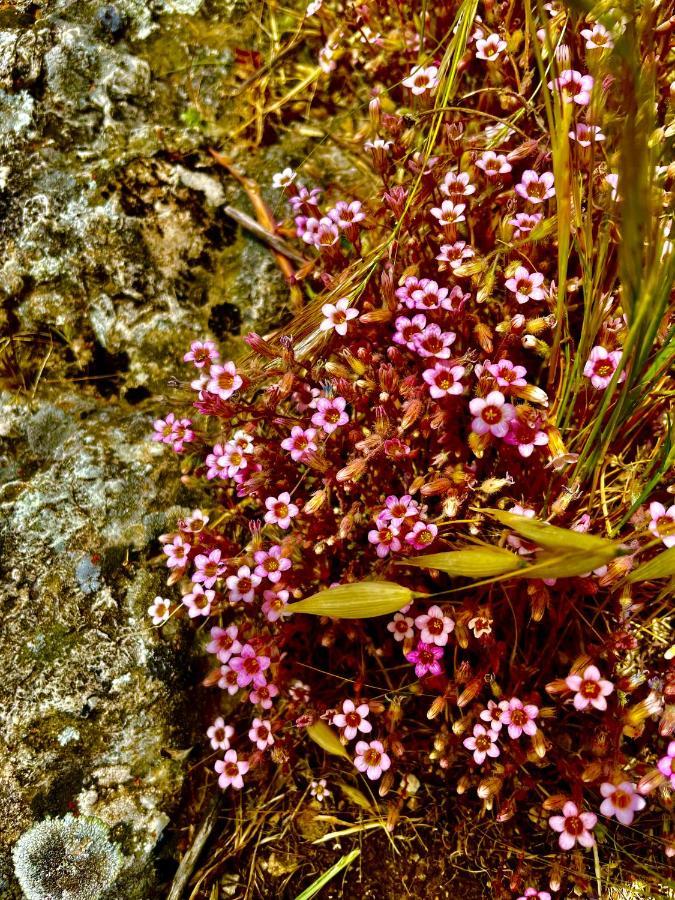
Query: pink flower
[490,48]
[228,680]
[410,284]
[386,539]
[662,524]
[444,380]
[271,563]
[337,316]
[263,694]
[346,215]
[195,522]
[526,435]
[666,765]
[199,601]
[523,223]
[482,743]
[506,374]
[533,894]
[455,254]
[233,459]
[574,826]
[280,510]
[261,734]
[398,509]
[613,181]
[621,801]
[435,627]
[219,734]
[422,79]
[520,717]
[160,611]
[493,164]
[493,714]
[406,329]
[201,353]
[427,659]
[585,134]
[304,196]
[177,552]
[275,604]
[601,365]
[223,380]
[209,568]
[428,296]
[433,342]
[231,769]
[353,719]
[597,37]
[401,627]
[526,285]
[456,185]
[216,462]
[330,413]
[371,759]
[449,213]
[492,414]
[250,667]
[242,585]
[422,535]
[590,688]
[300,442]
[224,642]
[573,87]
[536,188]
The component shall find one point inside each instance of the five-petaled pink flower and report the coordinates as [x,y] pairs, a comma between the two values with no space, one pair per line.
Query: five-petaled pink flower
[224,380]
[209,568]
[224,642]
[280,510]
[275,604]
[536,188]
[263,694]
[483,743]
[371,759]
[421,79]
[585,134]
[597,38]
[201,353]
[422,535]
[666,765]
[662,524]
[435,626]
[434,342]
[590,688]
[199,601]
[493,164]
[353,719]
[520,717]
[330,413]
[300,442]
[523,223]
[250,667]
[231,769]
[261,733]
[621,801]
[398,509]
[449,213]
[427,659]
[492,414]
[444,380]
[401,627]
[271,563]
[506,374]
[219,734]
[574,826]
[385,537]
[493,714]
[573,87]
[526,285]
[455,255]
[242,585]
[533,894]
[490,48]
[177,552]
[337,316]
[601,366]
[159,611]
[457,184]
[346,215]
[406,329]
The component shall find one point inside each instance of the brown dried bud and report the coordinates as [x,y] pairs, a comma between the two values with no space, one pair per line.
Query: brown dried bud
[352,471]
[386,783]
[259,345]
[374,316]
[315,502]
[436,708]
[414,410]
[470,692]
[435,487]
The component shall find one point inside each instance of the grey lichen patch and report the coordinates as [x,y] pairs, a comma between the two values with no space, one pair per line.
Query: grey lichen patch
[66,859]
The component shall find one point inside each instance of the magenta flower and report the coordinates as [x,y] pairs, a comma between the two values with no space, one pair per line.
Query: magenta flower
[506,374]
[250,667]
[201,353]
[444,380]
[621,801]
[662,524]
[483,743]
[427,659]
[280,510]
[345,215]
[523,223]
[406,329]
[490,48]
[536,188]
[231,769]
[164,429]
[271,563]
[337,316]
[386,540]
[422,535]
[601,366]
[573,87]
[306,197]
[493,164]
[216,462]
[526,285]
[198,601]
[371,759]
[261,734]
[263,694]
[159,611]
[223,380]
[429,296]
[421,79]
[177,552]
[398,509]
[455,255]
[242,586]
[353,719]
[574,826]
[219,734]
[330,413]
[435,627]
[533,894]
[224,642]
[300,442]
[492,414]
[520,717]
[456,185]
[405,291]
[449,213]
[666,765]
[526,435]
[209,568]
[275,604]
[433,342]
[590,688]
[401,627]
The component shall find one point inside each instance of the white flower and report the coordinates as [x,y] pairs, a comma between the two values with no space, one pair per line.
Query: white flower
[283,179]
[337,316]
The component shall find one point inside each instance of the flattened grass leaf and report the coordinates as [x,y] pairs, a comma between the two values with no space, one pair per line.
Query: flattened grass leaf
[327,739]
[552,537]
[361,600]
[474,562]
[660,566]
